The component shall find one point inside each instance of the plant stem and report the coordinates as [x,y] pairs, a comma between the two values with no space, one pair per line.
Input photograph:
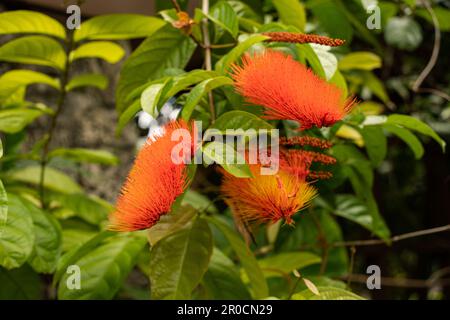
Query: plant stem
[59,106]
[207,47]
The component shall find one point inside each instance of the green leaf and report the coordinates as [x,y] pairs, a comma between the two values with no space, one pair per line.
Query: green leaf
[415,125]
[194,97]
[39,50]
[14,120]
[376,86]
[126,116]
[327,293]
[240,120]
[339,81]
[199,201]
[408,137]
[78,253]
[284,263]
[179,261]
[403,33]
[360,60]
[224,16]
[88,80]
[20,284]
[221,154]
[109,51]
[85,155]
[225,62]
[332,18]
[170,223]
[291,12]
[442,14]
[117,26]
[3,207]
[48,240]
[150,98]
[104,269]
[15,80]
[353,209]
[24,21]
[89,208]
[358,169]
[258,282]
[16,236]
[327,60]
[222,280]
[165,49]
[305,50]
[54,179]
[75,238]
[375,142]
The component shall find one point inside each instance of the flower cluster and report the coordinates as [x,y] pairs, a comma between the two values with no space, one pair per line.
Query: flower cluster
[288,91]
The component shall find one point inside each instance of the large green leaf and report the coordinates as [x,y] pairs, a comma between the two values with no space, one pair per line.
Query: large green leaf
[224,16]
[85,155]
[291,12]
[415,124]
[408,137]
[165,49]
[179,261]
[375,142]
[38,50]
[227,60]
[222,280]
[194,97]
[17,235]
[284,263]
[358,169]
[20,284]
[225,156]
[106,50]
[171,223]
[307,52]
[352,208]
[151,96]
[14,120]
[240,120]
[327,293]
[117,26]
[54,179]
[88,80]
[48,240]
[89,208]
[24,21]
[360,61]
[332,18]
[246,257]
[104,269]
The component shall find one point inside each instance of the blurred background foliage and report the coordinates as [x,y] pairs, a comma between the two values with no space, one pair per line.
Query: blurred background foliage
[392,176]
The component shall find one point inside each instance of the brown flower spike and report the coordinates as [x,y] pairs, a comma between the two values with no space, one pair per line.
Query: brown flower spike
[302,38]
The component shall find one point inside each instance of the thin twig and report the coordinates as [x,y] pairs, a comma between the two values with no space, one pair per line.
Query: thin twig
[59,106]
[176,5]
[409,235]
[399,282]
[208,59]
[352,263]
[434,55]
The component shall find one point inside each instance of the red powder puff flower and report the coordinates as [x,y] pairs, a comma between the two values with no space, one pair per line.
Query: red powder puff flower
[266,198]
[289,90]
[153,184]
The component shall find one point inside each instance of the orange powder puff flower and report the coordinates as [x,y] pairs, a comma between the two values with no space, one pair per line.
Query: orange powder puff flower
[289,90]
[266,198]
[153,184]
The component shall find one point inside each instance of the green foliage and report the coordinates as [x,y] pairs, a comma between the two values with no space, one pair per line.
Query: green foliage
[195,251]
